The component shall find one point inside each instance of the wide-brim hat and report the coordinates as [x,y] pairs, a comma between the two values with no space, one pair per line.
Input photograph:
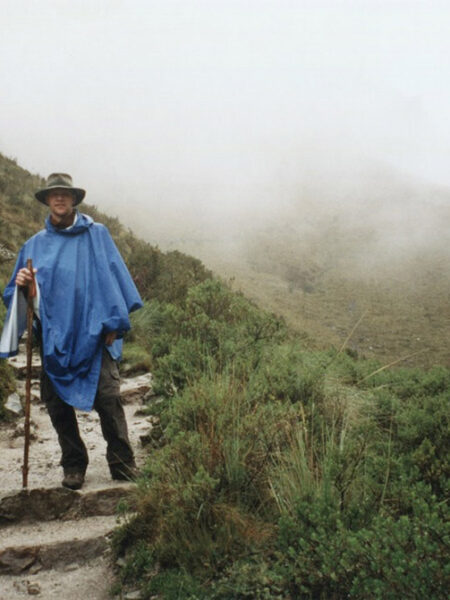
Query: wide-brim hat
[60,181]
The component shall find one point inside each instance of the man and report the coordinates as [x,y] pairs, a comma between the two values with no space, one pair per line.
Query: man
[85,294]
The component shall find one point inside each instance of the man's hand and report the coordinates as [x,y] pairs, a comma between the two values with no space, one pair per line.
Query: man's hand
[110,337]
[24,277]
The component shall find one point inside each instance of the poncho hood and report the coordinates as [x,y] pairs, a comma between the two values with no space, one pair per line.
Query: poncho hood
[86,291]
[80,224]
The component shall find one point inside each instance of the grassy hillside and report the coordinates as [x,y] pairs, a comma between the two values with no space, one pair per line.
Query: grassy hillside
[377,250]
[280,472]
[274,470]
[387,264]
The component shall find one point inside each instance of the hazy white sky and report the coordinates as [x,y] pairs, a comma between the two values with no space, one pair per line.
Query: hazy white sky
[201,101]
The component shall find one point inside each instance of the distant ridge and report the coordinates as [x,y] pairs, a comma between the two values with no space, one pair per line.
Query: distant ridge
[374,245]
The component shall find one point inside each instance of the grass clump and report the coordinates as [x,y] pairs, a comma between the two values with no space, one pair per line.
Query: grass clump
[210,480]
[321,554]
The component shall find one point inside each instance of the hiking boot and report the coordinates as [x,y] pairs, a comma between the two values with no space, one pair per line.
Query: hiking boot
[73,480]
[123,472]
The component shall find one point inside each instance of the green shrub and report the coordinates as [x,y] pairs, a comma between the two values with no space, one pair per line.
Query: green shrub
[7,385]
[207,496]
[174,583]
[251,579]
[216,332]
[320,557]
[287,372]
[417,431]
[135,359]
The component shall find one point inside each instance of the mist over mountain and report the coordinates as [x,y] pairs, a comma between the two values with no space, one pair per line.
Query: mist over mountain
[325,247]
[329,248]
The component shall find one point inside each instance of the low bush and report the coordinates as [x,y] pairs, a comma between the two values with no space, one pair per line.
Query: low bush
[6,375]
[7,386]
[320,555]
[213,472]
[215,330]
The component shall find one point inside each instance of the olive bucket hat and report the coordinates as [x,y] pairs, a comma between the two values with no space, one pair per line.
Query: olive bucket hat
[60,181]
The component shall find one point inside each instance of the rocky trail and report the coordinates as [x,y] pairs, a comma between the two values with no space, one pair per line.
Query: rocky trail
[54,542]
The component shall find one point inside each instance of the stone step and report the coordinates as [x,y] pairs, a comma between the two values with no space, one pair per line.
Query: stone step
[50,545]
[89,581]
[133,389]
[19,364]
[47,504]
[44,452]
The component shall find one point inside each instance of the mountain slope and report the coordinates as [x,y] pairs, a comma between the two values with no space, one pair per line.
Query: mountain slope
[372,251]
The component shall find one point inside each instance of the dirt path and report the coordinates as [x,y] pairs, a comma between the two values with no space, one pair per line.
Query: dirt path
[54,541]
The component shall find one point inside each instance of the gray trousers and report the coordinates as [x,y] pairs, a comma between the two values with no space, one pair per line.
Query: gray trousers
[112,420]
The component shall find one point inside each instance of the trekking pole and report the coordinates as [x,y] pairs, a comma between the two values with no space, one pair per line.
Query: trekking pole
[30,313]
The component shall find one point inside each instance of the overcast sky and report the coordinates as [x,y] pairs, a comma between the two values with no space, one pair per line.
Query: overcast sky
[193,102]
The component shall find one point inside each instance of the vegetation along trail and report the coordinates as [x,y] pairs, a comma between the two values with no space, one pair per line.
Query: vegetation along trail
[276,467]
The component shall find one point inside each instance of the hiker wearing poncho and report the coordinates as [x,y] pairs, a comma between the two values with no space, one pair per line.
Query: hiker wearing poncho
[85,294]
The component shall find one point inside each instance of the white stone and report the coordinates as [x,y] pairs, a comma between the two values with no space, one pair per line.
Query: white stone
[13,404]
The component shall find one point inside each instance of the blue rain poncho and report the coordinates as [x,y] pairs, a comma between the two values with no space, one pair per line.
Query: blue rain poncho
[85,291]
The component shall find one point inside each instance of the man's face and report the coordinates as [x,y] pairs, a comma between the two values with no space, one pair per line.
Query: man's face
[60,203]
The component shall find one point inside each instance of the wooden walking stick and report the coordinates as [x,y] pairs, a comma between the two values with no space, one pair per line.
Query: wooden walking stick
[30,312]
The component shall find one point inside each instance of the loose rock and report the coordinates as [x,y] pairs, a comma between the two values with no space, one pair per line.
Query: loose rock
[14,405]
[21,586]
[34,588]
[17,560]
[134,595]
[19,431]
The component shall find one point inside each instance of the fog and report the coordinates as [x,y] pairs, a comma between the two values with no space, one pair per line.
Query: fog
[211,120]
